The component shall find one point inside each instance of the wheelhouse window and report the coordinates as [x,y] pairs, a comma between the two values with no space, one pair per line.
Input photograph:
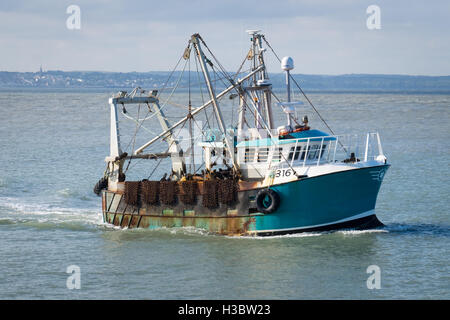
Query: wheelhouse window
[294,154]
[305,150]
[323,150]
[313,152]
[263,154]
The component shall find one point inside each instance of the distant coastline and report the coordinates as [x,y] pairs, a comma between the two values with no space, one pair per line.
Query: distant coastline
[348,83]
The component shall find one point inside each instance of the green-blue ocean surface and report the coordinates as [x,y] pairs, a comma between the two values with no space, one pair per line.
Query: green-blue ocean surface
[52,150]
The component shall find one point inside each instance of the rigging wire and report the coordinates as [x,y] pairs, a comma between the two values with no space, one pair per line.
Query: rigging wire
[170,76]
[306,97]
[168,148]
[298,86]
[201,92]
[201,82]
[137,121]
[245,102]
[224,72]
[220,74]
[133,93]
[164,104]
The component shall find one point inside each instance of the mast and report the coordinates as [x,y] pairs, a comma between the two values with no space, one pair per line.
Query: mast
[287,64]
[187,55]
[202,59]
[261,88]
[241,120]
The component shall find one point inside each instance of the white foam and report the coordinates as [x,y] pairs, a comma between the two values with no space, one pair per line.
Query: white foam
[359,232]
[284,236]
[20,209]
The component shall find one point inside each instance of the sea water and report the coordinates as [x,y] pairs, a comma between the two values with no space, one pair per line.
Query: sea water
[52,150]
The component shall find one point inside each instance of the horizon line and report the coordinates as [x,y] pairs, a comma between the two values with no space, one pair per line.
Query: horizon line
[232,72]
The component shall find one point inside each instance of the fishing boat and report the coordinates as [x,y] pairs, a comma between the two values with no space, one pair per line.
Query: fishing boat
[239,177]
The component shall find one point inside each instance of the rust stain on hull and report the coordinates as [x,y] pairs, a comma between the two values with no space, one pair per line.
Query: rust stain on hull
[217,225]
[225,219]
[233,219]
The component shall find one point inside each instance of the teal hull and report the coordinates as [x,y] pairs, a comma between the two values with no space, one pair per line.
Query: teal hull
[326,202]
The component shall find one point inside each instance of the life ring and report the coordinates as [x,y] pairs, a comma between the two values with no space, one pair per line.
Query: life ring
[267,201]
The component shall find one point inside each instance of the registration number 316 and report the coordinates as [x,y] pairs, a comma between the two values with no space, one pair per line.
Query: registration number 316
[283,173]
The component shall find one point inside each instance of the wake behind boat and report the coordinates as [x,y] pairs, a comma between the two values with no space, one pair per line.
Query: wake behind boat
[246,177]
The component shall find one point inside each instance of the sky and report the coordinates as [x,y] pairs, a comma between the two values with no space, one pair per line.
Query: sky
[322,36]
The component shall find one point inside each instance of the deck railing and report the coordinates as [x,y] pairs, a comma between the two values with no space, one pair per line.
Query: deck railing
[319,150]
[351,148]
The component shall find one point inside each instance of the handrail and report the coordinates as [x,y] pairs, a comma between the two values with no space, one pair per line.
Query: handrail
[346,146]
[320,151]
